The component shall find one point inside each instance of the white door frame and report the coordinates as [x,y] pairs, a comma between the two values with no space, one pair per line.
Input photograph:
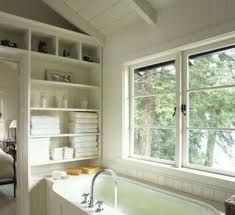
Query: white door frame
[22,168]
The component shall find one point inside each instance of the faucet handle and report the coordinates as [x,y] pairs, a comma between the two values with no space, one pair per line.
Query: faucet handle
[85,198]
[99,206]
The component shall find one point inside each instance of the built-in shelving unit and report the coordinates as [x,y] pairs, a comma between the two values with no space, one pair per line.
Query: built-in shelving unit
[83,66]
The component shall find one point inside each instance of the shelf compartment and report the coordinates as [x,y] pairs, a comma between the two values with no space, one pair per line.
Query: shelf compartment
[15,35]
[73,47]
[91,52]
[63,135]
[50,162]
[49,40]
[64,84]
[64,109]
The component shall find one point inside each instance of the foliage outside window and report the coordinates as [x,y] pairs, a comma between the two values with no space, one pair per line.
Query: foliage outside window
[154,105]
[208,134]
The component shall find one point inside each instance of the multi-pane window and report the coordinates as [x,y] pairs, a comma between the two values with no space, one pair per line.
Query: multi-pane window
[211,109]
[153,99]
[204,116]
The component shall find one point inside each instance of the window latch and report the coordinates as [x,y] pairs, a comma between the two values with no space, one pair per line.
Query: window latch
[174,112]
[183,109]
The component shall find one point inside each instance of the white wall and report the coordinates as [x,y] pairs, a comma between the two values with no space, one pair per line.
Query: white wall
[35,10]
[189,21]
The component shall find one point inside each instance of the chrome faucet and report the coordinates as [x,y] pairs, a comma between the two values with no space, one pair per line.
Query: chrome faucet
[91,204]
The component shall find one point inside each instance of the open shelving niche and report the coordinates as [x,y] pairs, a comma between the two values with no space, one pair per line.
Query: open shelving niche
[85,83]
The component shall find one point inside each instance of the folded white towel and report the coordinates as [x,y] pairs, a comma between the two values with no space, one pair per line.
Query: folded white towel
[84,144]
[86,149]
[82,115]
[81,130]
[45,131]
[84,120]
[45,119]
[85,154]
[82,126]
[45,126]
[83,138]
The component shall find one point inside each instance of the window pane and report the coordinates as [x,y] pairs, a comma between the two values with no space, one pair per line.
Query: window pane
[213,69]
[155,111]
[212,149]
[155,143]
[212,109]
[160,79]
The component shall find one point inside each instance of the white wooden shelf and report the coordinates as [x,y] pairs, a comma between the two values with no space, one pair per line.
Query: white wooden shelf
[64,84]
[50,162]
[63,135]
[64,109]
[67,60]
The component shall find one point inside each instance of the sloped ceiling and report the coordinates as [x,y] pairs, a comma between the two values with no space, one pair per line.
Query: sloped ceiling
[101,18]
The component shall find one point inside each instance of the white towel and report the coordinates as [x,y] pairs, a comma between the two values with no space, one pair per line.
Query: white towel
[87,138]
[81,130]
[83,115]
[45,131]
[84,144]
[45,126]
[84,125]
[86,149]
[84,120]
[45,119]
[85,154]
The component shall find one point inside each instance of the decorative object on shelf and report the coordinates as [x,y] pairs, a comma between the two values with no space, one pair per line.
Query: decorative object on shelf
[8,43]
[59,76]
[43,100]
[42,47]
[84,103]
[88,58]
[67,53]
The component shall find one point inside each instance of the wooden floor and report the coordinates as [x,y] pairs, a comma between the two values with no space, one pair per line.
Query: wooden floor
[7,201]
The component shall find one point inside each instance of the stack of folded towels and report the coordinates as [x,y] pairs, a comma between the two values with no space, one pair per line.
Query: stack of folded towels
[83,122]
[43,125]
[68,153]
[56,153]
[39,150]
[84,146]
[61,153]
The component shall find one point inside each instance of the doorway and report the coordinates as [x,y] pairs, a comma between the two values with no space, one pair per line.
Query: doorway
[9,109]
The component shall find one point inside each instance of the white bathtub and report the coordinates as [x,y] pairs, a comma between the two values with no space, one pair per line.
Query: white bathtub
[133,199]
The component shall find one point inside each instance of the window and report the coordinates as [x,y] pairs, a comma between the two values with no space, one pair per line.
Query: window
[153,100]
[210,118]
[204,118]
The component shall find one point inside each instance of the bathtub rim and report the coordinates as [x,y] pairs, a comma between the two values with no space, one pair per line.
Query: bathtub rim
[147,186]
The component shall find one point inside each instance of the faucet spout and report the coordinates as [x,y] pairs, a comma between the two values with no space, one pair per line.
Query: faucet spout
[114,176]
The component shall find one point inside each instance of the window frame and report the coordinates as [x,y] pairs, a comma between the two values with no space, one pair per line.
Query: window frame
[170,57]
[180,56]
[186,91]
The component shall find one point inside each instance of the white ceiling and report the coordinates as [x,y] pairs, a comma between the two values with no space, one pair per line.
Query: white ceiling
[108,16]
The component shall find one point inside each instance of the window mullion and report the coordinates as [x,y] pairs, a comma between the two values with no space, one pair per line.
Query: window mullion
[178,149]
[184,79]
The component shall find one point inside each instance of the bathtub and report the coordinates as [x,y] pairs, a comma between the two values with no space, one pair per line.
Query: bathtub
[134,198]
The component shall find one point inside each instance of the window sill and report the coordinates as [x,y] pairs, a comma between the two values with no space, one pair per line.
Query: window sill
[183,173]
